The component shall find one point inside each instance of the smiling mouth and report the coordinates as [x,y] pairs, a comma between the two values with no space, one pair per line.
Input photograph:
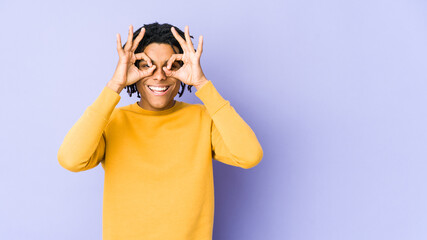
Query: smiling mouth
[158,90]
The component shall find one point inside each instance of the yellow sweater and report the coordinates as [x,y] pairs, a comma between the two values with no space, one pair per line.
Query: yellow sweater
[158,164]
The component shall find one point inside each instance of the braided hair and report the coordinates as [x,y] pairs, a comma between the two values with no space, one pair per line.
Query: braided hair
[157,33]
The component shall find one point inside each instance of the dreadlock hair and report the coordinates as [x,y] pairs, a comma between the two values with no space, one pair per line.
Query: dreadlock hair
[157,33]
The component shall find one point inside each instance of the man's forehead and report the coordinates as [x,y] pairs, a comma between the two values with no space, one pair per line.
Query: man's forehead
[159,52]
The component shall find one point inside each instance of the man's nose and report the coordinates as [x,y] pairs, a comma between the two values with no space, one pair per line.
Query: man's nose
[159,74]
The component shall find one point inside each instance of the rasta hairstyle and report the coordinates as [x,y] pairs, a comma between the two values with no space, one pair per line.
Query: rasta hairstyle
[157,33]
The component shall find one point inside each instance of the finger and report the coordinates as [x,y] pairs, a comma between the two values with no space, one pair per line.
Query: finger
[172,59]
[169,73]
[128,44]
[148,71]
[140,56]
[188,39]
[138,39]
[200,46]
[180,40]
[119,43]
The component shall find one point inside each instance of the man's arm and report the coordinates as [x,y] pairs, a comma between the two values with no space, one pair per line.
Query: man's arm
[83,147]
[233,141]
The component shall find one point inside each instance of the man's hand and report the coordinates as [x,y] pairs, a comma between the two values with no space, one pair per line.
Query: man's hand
[126,72]
[190,72]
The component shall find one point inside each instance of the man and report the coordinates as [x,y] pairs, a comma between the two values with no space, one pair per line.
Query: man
[157,153]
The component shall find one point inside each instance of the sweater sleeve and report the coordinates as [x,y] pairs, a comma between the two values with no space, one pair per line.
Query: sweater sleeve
[233,141]
[83,147]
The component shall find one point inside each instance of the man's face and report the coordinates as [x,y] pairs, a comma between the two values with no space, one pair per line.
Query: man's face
[157,91]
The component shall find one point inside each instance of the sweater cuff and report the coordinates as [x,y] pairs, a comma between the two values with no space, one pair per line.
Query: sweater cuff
[211,98]
[105,103]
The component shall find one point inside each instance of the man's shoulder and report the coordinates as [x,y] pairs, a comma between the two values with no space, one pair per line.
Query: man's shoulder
[193,106]
[123,108]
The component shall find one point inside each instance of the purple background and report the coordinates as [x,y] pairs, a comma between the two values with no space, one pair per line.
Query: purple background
[335,90]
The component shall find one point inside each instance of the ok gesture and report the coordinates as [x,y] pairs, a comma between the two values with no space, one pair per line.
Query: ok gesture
[190,72]
[126,72]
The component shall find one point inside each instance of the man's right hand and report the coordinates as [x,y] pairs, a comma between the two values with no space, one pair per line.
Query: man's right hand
[126,72]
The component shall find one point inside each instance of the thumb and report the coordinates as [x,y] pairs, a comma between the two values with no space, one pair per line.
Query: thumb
[149,71]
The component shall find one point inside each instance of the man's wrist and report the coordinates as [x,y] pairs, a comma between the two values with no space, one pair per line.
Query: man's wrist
[201,83]
[115,87]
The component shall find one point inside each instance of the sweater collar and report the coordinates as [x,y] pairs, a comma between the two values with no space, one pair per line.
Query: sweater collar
[136,108]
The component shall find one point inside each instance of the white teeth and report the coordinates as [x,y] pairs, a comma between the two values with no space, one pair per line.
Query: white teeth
[158,88]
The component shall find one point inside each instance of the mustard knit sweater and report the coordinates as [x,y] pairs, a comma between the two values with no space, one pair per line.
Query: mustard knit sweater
[158,164]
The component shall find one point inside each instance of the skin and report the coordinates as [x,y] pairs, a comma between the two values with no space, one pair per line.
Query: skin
[159,55]
[158,68]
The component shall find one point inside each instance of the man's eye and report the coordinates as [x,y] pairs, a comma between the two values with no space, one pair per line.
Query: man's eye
[144,66]
[175,66]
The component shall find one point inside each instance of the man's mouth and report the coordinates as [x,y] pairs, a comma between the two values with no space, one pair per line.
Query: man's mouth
[158,90]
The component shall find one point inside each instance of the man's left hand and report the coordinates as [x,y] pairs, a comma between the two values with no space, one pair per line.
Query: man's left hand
[190,72]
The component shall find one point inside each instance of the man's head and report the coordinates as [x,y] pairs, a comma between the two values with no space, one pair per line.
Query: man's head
[158,42]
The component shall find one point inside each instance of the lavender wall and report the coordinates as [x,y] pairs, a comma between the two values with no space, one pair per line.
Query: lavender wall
[334,90]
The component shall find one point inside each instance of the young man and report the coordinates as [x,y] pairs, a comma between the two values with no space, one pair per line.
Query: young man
[157,153]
